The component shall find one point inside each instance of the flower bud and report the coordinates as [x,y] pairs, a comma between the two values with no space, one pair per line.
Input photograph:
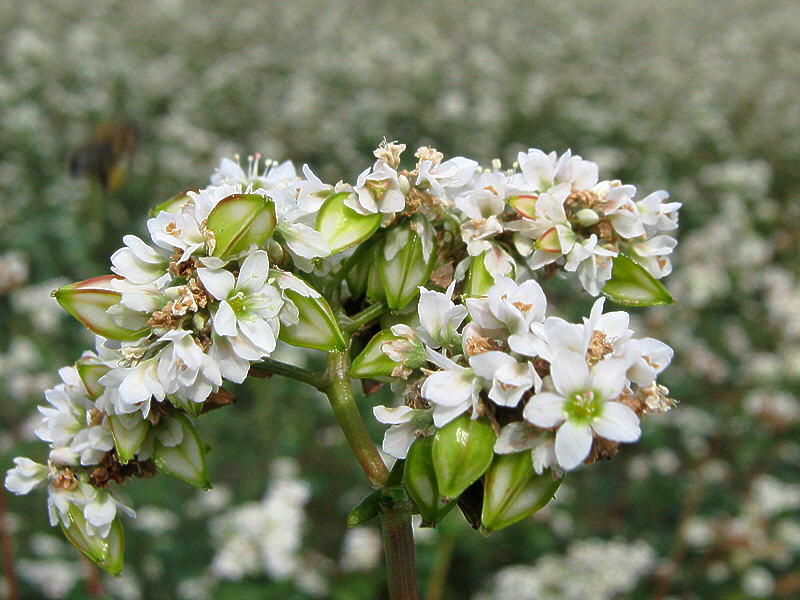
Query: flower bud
[239,221]
[366,510]
[462,451]
[586,217]
[89,301]
[107,553]
[407,260]
[374,285]
[185,460]
[373,362]
[524,204]
[479,280]
[549,241]
[90,371]
[173,205]
[306,318]
[632,285]
[512,490]
[419,477]
[129,433]
[341,226]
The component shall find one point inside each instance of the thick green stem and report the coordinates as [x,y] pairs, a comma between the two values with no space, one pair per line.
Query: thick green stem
[340,395]
[398,543]
[359,320]
[269,367]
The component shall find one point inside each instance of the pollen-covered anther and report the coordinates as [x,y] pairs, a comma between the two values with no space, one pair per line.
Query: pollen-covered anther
[66,480]
[419,201]
[165,318]
[599,348]
[582,199]
[173,229]
[389,152]
[602,449]
[655,398]
[478,345]
[522,306]
[198,292]
[96,416]
[428,153]
[184,269]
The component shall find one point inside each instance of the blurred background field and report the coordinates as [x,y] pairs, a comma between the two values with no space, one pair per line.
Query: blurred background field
[699,98]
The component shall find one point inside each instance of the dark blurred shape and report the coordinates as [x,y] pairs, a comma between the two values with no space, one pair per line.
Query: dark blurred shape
[106,155]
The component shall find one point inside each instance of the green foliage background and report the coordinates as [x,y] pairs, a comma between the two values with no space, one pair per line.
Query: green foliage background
[699,98]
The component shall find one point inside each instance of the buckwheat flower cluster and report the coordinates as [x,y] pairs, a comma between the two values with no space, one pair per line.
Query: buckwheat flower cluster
[570,392]
[553,210]
[439,263]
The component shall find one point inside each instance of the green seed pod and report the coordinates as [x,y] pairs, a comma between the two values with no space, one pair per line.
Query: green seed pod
[129,433]
[239,221]
[512,490]
[173,205]
[107,553]
[341,226]
[313,325]
[632,285]
[419,477]
[89,301]
[462,451]
[186,460]
[406,261]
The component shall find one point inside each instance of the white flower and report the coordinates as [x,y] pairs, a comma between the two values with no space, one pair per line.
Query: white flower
[139,263]
[446,179]
[452,390]
[185,369]
[25,476]
[247,314]
[483,204]
[652,253]
[519,436]
[311,192]
[583,404]
[657,214]
[540,171]
[131,389]
[75,432]
[179,231]
[377,190]
[406,423]
[510,378]
[508,309]
[439,317]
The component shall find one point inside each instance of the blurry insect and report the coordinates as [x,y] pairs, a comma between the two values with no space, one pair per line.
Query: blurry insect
[106,156]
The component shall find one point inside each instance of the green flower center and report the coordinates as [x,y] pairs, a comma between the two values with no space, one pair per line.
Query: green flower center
[238,303]
[583,406]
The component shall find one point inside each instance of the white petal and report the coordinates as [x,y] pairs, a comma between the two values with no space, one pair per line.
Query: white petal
[486,363]
[225,320]
[545,409]
[442,415]
[393,416]
[254,271]
[570,372]
[218,282]
[100,512]
[398,439]
[516,437]
[608,377]
[573,443]
[618,423]
[259,333]
[449,388]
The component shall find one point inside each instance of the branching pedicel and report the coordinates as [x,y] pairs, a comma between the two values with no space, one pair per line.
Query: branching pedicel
[448,262]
